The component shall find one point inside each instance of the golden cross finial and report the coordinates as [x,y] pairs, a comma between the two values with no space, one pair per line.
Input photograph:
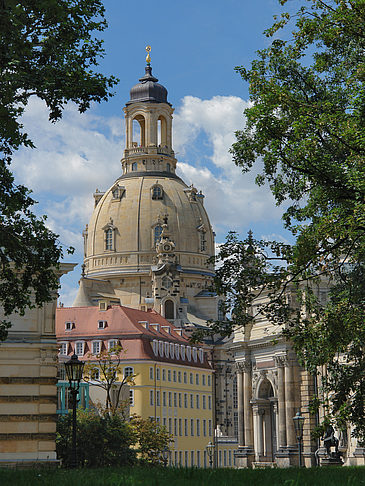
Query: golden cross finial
[148,58]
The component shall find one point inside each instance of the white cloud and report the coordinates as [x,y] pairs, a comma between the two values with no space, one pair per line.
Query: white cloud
[233,200]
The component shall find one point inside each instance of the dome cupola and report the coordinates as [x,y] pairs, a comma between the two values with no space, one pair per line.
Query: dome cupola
[148,90]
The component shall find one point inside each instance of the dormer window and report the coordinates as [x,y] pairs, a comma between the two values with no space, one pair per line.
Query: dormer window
[96,347]
[157,192]
[109,239]
[102,324]
[79,348]
[69,326]
[63,349]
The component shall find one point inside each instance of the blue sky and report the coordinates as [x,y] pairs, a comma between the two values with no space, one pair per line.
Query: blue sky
[195,47]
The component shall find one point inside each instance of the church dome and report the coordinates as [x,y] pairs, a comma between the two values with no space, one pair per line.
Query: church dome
[148,89]
[127,222]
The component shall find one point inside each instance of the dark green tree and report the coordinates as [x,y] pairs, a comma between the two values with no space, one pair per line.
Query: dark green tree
[306,127]
[48,49]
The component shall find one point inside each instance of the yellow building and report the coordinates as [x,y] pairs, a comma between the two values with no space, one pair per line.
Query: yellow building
[173,377]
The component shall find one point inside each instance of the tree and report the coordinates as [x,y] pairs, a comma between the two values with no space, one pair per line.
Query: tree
[105,372]
[152,440]
[103,440]
[48,49]
[306,126]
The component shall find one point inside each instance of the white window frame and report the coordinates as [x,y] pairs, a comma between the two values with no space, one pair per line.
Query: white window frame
[201,355]
[188,352]
[94,345]
[126,374]
[112,343]
[172,350]
[182,351]
[166,349]
[177,351]
[69,325]
[82,343]
[131,397]
[102,324]
[64,347]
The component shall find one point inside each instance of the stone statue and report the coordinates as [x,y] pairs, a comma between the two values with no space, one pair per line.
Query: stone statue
[329,440]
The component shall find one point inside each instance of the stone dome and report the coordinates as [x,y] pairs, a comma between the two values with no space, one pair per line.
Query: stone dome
[133,210]
[148,89]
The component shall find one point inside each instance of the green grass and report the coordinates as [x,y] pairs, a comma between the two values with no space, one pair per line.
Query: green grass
[141,476]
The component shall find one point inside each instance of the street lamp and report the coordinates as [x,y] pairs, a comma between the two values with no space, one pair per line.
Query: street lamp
[210,451]
[298,425]
[74,369]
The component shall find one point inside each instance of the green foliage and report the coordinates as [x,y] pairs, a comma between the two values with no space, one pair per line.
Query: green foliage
[48,49]
[152,440]
[102,440]
[306,126]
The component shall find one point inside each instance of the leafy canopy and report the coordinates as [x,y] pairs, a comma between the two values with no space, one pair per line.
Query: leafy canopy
[306,125]
[48,49]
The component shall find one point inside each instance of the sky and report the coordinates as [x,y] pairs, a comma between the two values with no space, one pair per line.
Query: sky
[196,45]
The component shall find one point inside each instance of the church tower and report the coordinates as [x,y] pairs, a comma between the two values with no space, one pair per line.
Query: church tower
[149,239]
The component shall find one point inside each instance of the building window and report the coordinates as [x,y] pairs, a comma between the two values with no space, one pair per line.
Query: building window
[174,376]
[177,352]
[155,347]
[158,398]
[131,398]
[185,377]
[179,376]
[201,355]
[168,167]
[167,350]
[188,353]
[209,380]
[151,373]
[170,426]
[210,402]
[164,399]
[96,347]
[197,402]
[191,400]
[191,379]
[175,427]
[235,394]
[169,375]
[180,427]
[186,458]
[128,371]
[172,350]
[134,167]
[191,427]
[210,432]
[169,309]
[175,399]
[182,350]
[203,380]
[180,400]
[203,243]
[197,379]
[204,428]
[101,324]
[198,427]
[186,427]
[63,349]
[204,402]
[185,400]
[112,344]
[235,423]
[109,239]
[170,399]
[220,310]
[157,234]
[157,373]
[163,375]
[151,397]
[197,458]
[192,458]
[69,326]
[195,354]
[95,374]
[157,192]
[79,348]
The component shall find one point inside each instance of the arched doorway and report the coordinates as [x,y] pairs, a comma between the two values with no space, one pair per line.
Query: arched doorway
[265,422]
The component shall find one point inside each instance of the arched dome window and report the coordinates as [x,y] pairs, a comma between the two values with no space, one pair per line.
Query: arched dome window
[139,128]
[134,167]
[157,234]
[157,192]
[169,309]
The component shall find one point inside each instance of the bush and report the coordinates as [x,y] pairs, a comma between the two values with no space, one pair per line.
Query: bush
[102,440]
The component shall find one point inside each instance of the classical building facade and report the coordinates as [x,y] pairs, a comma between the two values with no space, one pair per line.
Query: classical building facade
[28,393]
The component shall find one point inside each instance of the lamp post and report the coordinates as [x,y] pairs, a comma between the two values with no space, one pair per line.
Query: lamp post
[298,425]
[74,369]
[210,451]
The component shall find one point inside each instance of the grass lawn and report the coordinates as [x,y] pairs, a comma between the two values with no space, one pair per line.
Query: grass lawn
[342,476]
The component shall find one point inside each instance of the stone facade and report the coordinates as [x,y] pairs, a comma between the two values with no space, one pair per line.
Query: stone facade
[28,394]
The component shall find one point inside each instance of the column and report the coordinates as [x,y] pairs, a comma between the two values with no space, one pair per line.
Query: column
[281,402]
[247,409]
[289,402]
[239,369]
